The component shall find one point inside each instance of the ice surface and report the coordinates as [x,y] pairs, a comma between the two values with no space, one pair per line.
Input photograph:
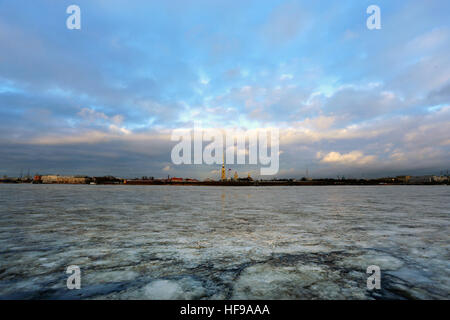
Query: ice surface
[167,242]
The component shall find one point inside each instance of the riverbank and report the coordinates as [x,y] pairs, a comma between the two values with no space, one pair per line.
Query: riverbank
[259,183]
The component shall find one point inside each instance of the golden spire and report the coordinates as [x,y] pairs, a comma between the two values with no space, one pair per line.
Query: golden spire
[224,175]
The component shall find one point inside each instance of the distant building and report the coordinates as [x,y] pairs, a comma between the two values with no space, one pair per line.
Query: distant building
[440,178]
[403,179]
[427,179]
[55,179]
[49,179]
[107,180]
[248,179]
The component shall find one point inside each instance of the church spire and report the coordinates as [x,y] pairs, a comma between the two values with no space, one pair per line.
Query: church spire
[224,175]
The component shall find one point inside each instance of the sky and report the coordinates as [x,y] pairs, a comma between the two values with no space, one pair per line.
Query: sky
[104,100]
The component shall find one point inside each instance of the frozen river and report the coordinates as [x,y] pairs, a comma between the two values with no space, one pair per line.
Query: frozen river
[187,242]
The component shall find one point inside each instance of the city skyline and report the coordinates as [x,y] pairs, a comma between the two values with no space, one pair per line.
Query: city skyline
[104,100]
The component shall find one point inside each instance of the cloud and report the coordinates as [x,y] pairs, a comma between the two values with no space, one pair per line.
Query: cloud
[286,77]
[429,40]
[350,35]
[363,103]
[351,158]
[94,116]
[107,97]
[284,23]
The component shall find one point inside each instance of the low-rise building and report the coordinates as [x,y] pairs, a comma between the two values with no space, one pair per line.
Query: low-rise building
[427,179]
[403,179]
[56,179]
[440,179]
